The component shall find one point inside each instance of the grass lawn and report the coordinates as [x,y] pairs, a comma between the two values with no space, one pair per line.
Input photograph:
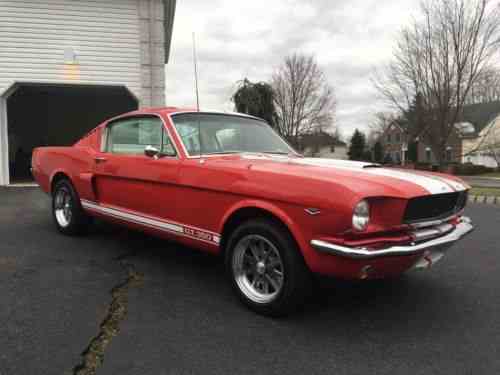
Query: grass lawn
[492,174]
[485,191]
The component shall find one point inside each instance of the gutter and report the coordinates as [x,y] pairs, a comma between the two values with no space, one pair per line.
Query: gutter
[168,25]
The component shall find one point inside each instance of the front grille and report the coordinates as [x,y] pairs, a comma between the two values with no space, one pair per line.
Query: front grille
[434,207]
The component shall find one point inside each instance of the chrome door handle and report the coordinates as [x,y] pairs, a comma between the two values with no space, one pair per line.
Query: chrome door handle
[100,159]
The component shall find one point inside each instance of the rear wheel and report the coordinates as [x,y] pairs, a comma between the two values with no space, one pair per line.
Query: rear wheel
[67,210]
[266,268]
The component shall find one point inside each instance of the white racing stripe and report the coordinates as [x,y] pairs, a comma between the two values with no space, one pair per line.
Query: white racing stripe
[457,186]
[433,184]
[180,229]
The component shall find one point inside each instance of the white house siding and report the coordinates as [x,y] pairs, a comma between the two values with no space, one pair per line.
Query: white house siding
[34,36]
[481,150]
[340,152]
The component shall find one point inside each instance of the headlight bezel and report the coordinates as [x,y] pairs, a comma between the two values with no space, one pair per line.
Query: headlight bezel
[361,216]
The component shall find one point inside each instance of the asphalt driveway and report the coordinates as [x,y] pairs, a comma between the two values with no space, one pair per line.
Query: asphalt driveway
[175,313]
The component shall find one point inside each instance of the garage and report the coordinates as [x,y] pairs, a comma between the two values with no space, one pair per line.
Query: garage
[66,65]
[55,115]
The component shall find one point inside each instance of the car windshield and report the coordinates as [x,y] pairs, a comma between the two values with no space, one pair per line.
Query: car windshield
[225,134]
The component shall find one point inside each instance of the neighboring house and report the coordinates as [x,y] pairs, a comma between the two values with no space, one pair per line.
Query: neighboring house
[474,120]
[67,65]
[485,148]
[453,151]
[472,139]
[394,143]
[323,145]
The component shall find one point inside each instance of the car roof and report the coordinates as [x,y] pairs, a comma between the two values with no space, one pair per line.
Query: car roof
[175,110]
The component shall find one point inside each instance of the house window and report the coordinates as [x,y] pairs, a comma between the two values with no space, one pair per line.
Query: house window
[398,137]
[397,157]
[389,138]
[428,154]
[448,154]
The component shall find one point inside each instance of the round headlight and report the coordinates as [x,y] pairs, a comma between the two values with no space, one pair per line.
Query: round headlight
[361,216]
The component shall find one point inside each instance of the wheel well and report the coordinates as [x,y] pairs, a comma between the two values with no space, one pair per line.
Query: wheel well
[57,177]
[243,214]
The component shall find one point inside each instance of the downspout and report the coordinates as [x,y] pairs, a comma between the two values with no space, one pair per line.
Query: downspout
[151,50]
[4,144]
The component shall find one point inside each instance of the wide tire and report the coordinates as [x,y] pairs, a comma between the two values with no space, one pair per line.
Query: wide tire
[67,211]
[266,268]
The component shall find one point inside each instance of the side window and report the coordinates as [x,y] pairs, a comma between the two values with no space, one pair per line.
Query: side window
[123,137]
[131,136]
[150,132]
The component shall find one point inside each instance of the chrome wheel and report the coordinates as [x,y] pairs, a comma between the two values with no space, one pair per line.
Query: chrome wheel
[257,268]
[63,207]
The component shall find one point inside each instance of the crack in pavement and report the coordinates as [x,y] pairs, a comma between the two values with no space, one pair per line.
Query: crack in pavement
[93,355]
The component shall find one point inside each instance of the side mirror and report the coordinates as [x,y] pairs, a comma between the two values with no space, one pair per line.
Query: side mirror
[151,152]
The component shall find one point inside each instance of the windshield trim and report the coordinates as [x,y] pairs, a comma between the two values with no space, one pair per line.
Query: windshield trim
[232,114]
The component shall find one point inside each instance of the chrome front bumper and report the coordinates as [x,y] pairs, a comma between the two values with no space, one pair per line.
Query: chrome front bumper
[439,244]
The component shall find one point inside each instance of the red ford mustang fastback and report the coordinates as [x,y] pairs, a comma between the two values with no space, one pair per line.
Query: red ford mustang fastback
[228,184]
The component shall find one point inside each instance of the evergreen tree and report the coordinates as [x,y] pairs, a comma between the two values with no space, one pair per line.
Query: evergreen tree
[378,152]
[357,146]
[255,99]
[412,155]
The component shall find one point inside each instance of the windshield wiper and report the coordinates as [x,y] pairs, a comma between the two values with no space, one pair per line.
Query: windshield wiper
[289,154]
[222,152]
[277,152]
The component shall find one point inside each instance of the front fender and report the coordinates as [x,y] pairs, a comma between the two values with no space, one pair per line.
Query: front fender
[274,210]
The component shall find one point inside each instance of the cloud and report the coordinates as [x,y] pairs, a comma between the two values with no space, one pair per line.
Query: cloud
[238,39]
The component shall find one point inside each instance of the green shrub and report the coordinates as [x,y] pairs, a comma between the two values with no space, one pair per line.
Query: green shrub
[469,169]
[423,166]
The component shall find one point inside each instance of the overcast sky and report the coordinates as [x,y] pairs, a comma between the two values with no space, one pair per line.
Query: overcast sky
[238,39]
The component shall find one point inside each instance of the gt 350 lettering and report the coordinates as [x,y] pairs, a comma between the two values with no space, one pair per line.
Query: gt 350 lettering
[198,234]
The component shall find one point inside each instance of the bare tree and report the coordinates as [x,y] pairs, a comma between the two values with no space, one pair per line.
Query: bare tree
[486,88]
[380,123]
[439,58]
[304,100]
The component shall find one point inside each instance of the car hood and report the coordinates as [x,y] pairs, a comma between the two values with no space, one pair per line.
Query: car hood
[431,183]
[365,179]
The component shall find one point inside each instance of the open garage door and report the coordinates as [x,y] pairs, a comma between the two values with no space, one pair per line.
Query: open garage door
[55,115]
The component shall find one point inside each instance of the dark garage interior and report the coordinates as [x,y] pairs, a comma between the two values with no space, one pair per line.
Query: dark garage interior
[57,115]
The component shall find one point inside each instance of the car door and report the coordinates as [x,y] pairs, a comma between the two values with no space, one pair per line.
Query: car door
[128,180]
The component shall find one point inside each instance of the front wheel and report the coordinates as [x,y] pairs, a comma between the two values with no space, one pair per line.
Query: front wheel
[266,268]
[67,210]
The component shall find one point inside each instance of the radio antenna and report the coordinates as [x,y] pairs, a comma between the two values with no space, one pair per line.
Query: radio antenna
[196,73]
[197,96]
